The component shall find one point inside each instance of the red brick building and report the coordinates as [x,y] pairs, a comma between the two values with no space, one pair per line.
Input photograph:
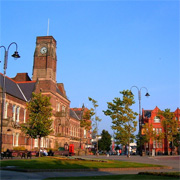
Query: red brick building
[85,134]
[19,90]
[151,117]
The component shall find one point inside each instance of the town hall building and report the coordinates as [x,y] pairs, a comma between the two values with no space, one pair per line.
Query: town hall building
[18,92]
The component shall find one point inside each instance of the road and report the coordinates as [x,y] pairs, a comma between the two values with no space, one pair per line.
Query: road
[173,161]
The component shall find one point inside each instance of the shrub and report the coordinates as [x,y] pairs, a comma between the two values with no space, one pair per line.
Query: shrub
[19,148]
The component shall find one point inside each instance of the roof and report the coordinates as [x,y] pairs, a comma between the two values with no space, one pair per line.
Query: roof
[21,77]
[147,113]
[73,114]
[59,92]
[20,90]
[27,88]
[78,112]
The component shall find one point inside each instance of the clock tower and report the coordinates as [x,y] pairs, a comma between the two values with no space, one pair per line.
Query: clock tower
[45,59]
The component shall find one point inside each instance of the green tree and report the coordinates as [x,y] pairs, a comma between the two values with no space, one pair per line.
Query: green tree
[105,141]
[123,118]
[39,122]
[159,138]
[177,142]
[94,118]
[86,119]
[85,122]
[170,126]
[149,134]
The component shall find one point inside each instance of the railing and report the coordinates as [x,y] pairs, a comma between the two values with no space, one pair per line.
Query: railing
[61,114]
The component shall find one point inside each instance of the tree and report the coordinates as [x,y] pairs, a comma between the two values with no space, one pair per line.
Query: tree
[149,134]
[105,141]
[94,118]
[86,119]
[85,122]
[39,122]
[170,126]
[123,118]
[177,142]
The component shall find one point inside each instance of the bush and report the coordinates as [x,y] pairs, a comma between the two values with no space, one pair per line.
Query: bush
[19,148]
[170,174]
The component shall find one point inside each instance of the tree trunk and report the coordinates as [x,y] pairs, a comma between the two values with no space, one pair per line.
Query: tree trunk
[172,146]
[39,144]
[128,155]
[167,146]
[97,153]
[128,150]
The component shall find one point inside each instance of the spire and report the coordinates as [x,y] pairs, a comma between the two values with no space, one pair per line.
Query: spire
[48,28]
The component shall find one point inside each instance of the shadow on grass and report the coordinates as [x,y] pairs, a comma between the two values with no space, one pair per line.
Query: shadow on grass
[124,177]
[60,163]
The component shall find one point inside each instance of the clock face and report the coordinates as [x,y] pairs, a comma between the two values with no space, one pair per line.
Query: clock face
[43,50]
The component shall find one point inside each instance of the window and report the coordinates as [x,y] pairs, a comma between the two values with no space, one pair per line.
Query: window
[84,133]
[13,138]
[45,142]
[63,111]
[160,144]
[25,140]
[154,144]
[5,110]
[14,112]
[157,131]
[24,115]
[18,110]
[35,142]
[16,139]
[157,144]
[156,119]
[42,142]
[63,108]
[58,107]
[71,131]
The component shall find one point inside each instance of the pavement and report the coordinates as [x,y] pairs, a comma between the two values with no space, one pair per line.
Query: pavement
[170,161]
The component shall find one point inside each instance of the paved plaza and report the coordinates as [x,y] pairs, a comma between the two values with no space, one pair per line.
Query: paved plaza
[172,161]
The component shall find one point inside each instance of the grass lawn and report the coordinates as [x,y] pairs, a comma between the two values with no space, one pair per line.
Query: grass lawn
[126,177]
[60,163]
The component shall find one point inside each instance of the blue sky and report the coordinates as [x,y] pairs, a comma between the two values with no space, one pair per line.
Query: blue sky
[103,47]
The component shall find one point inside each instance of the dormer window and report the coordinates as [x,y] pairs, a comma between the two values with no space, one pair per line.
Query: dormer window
[156,119]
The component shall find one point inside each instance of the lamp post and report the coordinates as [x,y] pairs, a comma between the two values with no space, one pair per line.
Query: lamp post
[15,55]
[139,98]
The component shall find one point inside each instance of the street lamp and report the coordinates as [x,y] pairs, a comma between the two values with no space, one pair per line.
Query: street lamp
[139,98]
[15,55]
